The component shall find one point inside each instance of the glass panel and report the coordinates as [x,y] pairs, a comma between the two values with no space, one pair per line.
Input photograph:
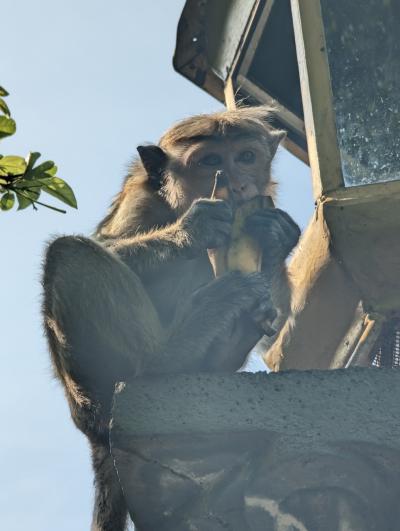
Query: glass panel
[274,67]
[363,44]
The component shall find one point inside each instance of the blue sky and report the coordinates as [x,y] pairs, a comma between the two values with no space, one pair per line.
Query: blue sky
[88,81]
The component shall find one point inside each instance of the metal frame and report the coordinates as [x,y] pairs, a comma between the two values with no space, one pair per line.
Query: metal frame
[317,97]
[191,60]
[245,87]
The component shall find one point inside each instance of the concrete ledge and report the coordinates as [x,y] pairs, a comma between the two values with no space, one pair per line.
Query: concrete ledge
[298,451]
[352,404]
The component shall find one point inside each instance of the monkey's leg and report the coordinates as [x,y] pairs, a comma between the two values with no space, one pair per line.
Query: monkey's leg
[97,310]
[100,326]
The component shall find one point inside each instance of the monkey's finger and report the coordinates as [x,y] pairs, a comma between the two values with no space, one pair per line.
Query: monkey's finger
[287,232]
[274,228]
[264,315]
[223,225]
[258,286]
[274,217]
[269,330]
[220,236]
[265,311]
[272,213]
[265,231]
[268,230]
[217,208]
[285,216]
[220,209]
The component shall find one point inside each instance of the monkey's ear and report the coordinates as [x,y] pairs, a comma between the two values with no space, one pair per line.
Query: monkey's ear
[276,136]
[154,160]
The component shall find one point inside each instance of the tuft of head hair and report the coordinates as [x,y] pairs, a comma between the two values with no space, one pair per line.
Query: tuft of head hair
[252,120]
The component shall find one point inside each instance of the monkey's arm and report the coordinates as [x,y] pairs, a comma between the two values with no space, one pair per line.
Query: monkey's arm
[206,224]
[146,251]
[277,234]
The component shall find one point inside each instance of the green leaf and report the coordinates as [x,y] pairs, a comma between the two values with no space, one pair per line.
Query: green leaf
[26,197]
[52,171]
[12,165]
[59,189]
[42,168]
[27,183]
[3,92]
[23,202]
[7,126]
[7,201]
[31,159]
[4,108]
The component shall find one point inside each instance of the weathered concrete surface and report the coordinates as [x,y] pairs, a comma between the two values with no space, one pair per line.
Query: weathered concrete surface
[315,450]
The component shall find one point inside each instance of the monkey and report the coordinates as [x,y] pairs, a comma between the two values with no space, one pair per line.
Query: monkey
[139,296]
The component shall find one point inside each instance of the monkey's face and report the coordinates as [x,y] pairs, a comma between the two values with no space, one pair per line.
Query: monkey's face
[245,160]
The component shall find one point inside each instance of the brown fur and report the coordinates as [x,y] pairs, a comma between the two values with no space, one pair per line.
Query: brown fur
[141,298]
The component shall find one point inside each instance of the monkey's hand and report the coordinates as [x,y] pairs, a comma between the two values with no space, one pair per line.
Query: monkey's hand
[234,293]
[207,224]
[234,306]
[276,233]
[207,321]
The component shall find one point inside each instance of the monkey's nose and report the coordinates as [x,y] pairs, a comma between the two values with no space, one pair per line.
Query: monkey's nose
[238,194]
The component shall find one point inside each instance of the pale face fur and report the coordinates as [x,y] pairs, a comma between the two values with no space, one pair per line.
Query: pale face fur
[244,158]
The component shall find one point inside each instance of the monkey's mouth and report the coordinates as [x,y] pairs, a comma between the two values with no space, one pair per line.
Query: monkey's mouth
[246,192]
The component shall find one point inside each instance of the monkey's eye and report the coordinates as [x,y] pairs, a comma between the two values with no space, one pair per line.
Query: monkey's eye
[212,159]
[248,156]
